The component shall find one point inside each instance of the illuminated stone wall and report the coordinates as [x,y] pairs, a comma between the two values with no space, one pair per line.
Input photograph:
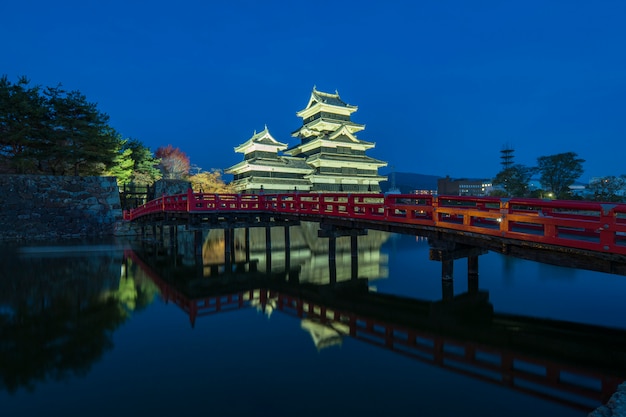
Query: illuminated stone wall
[58,207]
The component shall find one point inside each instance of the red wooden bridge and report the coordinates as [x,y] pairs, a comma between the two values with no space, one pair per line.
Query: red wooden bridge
[594,227]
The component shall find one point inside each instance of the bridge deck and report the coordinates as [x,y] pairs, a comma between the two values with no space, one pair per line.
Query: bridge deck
[590,226]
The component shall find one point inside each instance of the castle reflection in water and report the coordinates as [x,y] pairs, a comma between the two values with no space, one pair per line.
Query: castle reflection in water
[302,252]
[61,307]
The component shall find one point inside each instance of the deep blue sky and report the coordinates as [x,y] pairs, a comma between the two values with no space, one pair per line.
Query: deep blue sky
[442,86]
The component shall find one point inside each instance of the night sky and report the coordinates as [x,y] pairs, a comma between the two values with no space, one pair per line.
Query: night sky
[442,86]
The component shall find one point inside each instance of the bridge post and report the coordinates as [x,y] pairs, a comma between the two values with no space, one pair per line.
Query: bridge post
[247,243]
[332,259]
[268,250]
[287,252]
[173,244]
[197,250]
[472,274]
[187,247]
[228,261]
[504,218]
[447,281]
[354,257]
[607,228]
[233,254]
[447,269]
[332,232]
[446,252]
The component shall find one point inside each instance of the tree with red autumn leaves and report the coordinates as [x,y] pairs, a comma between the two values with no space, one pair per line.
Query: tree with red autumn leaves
[174,162]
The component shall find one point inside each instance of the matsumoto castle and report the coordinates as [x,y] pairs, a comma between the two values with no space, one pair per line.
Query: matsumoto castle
[329,157]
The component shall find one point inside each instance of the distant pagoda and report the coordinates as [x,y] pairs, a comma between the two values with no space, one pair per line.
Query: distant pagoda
[264,170]
[330,147]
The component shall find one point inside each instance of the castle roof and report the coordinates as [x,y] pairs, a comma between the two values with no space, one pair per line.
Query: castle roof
[281,163]
[337,137]
[327,98]
[263,138]
[323,100]
[358,159]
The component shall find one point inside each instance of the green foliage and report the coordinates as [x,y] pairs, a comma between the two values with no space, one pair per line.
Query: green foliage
[53,132]
[608,188]
[498,193]
[560,171]
[514,180]
[145,169]
[22,114]
[123,167]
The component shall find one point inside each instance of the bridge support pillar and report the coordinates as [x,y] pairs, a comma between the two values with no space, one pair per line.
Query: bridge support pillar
[233,255]
[332,232]
[186,247]
[246,238]
[268,250]
[447,269]
[287,251]
[472,274]
[446,252]
[332,259]
[172,247]
[354,257]
[228,252]
[447,279]
[197,251]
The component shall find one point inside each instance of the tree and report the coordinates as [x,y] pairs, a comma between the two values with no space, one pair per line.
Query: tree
[559,171]
[123,167]
[80,140]
[608,188]
[210,182]
[52,131]
[145,164]
[22,111]
[514,180]
[498,193]
[174,162]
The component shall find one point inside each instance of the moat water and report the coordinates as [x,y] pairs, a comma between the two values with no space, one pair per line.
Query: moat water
[122,329]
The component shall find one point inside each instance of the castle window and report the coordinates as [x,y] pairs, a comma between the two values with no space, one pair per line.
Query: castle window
[344,150]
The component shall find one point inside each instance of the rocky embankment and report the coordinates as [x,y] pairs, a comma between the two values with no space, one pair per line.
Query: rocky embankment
[615,407]
[58,207]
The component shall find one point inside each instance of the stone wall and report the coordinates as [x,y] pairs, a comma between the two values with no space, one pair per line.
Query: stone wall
[170,187]
[34,207]
[615,407]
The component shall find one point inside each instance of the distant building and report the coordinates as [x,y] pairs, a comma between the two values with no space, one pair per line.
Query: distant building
[425,191]
[578,190]
[464,186]
[329,157]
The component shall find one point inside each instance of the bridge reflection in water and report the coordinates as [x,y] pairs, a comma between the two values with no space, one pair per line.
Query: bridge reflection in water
[573,364]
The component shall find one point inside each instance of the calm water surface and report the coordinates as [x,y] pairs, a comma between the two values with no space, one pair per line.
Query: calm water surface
[114,329]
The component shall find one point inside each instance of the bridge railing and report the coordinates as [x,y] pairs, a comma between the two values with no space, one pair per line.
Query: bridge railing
[582,224]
